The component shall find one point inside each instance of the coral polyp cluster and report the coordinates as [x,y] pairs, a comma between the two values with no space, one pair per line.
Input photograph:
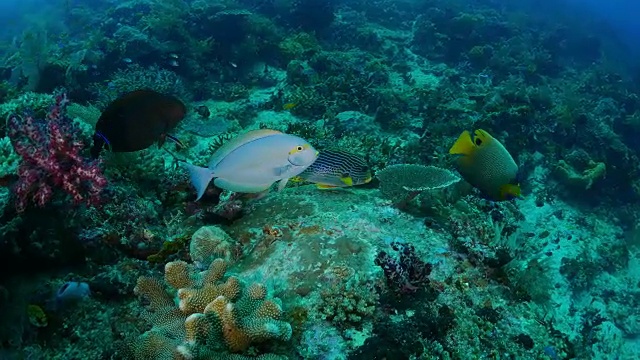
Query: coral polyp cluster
[212,316]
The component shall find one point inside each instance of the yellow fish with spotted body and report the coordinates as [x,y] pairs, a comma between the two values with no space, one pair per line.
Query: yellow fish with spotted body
[487,165]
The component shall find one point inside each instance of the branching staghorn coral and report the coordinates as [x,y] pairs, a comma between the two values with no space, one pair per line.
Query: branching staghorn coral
[214,317]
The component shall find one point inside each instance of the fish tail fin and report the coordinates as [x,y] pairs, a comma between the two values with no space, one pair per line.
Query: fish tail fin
[200,178]
[510,191]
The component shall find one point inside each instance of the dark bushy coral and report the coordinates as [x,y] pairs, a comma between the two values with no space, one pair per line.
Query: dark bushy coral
[405,271]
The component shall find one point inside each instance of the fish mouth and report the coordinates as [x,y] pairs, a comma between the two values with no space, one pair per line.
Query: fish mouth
[293,164]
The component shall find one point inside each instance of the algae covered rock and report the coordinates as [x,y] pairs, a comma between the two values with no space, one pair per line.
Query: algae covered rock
[580,179]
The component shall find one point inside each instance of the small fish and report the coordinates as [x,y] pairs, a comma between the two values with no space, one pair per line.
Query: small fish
[289,106]
[253,162]
[487,165]
[173,56]
[233,64]
[337,168]
[127,60]
[174,63]
[136,121]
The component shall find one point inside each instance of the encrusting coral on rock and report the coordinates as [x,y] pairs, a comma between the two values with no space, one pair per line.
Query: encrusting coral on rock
[209,243]
[214,317]
[581,180]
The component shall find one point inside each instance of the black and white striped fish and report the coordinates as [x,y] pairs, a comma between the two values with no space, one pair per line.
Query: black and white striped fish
[337,168]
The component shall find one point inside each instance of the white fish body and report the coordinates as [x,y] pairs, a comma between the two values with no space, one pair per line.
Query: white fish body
[253,162]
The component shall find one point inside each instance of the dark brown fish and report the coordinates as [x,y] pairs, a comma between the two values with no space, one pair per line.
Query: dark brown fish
[136,121]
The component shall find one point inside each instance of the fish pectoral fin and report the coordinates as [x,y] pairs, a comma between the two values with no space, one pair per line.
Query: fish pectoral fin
[347,180]
[161,141]
[174,139]
[282,184]
[282,170]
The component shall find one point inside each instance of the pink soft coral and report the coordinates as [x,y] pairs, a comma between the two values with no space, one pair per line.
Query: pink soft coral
[50,151]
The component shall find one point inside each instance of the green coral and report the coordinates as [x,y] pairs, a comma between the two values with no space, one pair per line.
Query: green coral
[580,179]
[35,103]
[348,304]
[137,77]
[36,315]
[298,46]
[9,159]
[169,247]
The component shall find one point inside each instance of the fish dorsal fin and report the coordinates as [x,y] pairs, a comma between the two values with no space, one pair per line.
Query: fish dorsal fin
[464,145]
[242,139]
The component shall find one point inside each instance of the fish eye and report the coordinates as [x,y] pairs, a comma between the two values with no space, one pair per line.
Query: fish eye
[299,148]
[478,142]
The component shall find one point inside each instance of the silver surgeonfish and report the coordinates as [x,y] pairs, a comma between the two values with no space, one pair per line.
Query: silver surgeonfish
[337,168]
[253,161]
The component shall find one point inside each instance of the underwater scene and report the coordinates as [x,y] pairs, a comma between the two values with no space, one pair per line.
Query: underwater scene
[319,179]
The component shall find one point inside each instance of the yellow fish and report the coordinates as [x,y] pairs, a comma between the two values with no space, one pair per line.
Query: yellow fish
[487,165]
[289,106]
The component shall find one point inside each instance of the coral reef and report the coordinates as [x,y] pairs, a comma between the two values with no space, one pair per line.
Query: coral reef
[211,316]
[581,180]
[412,265]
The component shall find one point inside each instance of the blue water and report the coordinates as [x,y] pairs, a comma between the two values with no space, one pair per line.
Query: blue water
[500,219]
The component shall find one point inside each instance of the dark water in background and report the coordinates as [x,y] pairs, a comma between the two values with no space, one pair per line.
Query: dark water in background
[622,16]
[618,20]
